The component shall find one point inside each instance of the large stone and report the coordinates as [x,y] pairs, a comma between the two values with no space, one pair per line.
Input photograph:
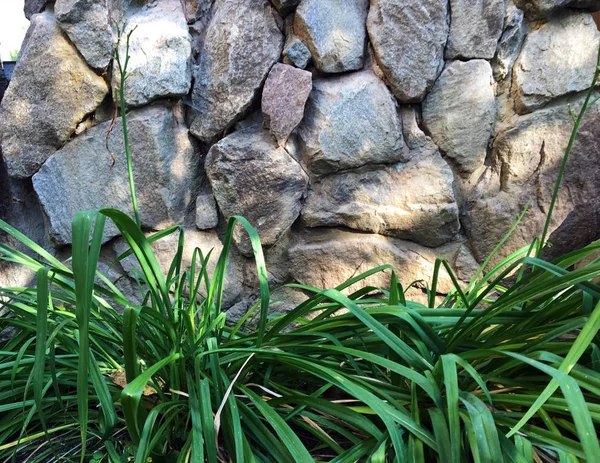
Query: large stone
[510,43]
[351,121]
[251,176]
[284,96]
[32,7]
[241,45]
[334,31]
[460,111]
[557,59]
[80,176]
[408,37]
[160,53]
[413,201]
[527,156]
[89,25]
[541,9]
[475,28]
[52,89]
[165,249]
[325,258]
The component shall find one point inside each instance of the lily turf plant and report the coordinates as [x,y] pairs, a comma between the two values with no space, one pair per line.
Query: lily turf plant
[493,373]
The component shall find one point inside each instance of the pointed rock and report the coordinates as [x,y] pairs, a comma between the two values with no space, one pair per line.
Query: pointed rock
[89,25]
[52,89]
[408,37]
[241,45]
[284,96]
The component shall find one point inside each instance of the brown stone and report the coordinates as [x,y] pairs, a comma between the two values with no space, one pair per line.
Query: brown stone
[284,96]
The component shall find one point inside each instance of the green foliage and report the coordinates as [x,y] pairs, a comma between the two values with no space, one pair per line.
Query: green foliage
[387,378]
[13,55]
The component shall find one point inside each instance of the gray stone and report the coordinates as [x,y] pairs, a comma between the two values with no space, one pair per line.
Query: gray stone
[334,32]
[526,159]
[413,201]
[160,53]
[325,258]
[350,121]
[89,25]
[510,43]
[233,66]
[408,37]
[557,59]
[541,9]
[284,96]
[460,111]
[34,7]
[207,216]
[285,7]
[51,91]
[296,53]
[251,176]
[80,176]
[475,28]
[165,248]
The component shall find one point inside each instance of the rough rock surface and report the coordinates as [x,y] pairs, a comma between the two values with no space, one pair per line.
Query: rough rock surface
[34,7]
[413,201]
[89,25]
[207,216]
[525,171]
[460,110]
[540,9]
[351,121]
[510,43]
[327,257]
[557,59]
[165,249]
[475,27]
[80,177]
[336,40]
[252,177]
[51,91]
[241,45]
[284,96]
[408,37]
[160,53]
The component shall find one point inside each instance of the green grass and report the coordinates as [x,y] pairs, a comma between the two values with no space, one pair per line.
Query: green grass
[389,378]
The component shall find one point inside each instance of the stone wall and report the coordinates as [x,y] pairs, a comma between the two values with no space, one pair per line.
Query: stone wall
[351,133]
